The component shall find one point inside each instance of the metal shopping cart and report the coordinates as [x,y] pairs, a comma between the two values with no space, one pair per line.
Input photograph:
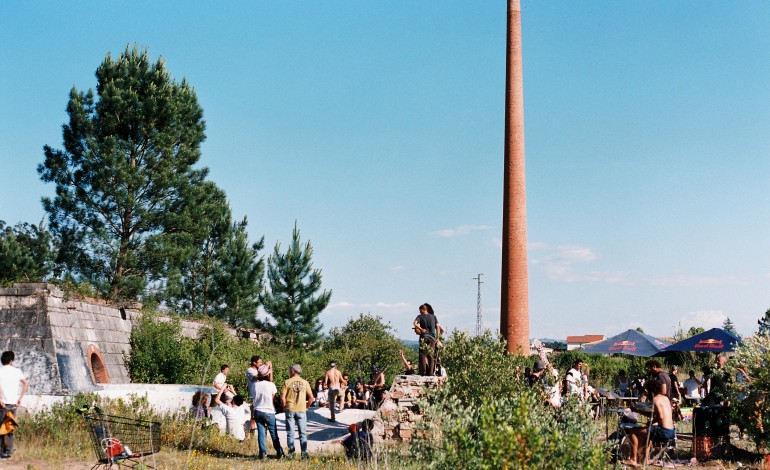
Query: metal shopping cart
[121,441]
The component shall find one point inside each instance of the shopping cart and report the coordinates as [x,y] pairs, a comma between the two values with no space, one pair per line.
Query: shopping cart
[121,441]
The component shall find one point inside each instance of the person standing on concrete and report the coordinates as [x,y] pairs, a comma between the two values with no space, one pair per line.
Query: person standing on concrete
[264,411]
[296,397]
[333,381]
[13,386]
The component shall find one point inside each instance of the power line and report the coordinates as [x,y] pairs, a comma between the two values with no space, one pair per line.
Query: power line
[479,282]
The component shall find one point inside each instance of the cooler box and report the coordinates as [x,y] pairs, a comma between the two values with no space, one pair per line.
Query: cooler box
[711,421]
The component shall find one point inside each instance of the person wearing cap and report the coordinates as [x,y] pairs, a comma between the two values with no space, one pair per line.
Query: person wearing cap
[333,382]
[296,397]
[263,396]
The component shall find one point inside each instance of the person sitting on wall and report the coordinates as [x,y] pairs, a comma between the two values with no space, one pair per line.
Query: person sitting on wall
[376,387]
[408,367]
[360,396]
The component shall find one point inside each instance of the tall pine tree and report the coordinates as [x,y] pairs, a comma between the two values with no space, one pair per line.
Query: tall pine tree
[292,300]
[124,176]
[239,278]
[191,288]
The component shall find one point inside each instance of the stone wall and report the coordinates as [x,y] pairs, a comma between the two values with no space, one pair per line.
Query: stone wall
[68,345]
[396,417]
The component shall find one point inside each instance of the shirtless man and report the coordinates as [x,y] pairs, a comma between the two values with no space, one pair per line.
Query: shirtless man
[333,382]
[662,415]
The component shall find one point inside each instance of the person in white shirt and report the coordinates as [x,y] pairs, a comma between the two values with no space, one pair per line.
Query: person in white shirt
[575,378]
[236,415]
[264,411]
[13,386]
[692,388]
[220,382]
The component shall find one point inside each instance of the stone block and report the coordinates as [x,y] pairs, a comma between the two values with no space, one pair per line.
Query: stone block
[405,434]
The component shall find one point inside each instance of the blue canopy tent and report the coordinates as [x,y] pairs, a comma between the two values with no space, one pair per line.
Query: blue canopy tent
[714,340]
[630,342]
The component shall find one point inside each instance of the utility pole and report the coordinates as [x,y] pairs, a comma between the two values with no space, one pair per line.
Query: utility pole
[479,282]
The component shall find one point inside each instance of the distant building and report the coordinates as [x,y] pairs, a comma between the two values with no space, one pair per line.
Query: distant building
[577,342]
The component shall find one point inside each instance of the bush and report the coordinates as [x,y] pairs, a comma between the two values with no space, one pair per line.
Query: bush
[752,401]
[485,416]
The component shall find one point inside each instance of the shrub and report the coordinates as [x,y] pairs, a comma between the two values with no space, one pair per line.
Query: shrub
[752,401]
[485,416]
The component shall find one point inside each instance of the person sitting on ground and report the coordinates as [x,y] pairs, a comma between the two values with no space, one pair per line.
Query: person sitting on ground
[361,396]
[350,391]
[321,394]
[692,388]
[662,415]
[408,367]
[236,415]
[200,405]
[623,384]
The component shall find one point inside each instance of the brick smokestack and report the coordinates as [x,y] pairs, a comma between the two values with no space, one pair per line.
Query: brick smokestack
[514,305]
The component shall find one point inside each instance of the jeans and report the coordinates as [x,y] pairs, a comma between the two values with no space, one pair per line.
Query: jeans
[6,445]
[267,420]
[300,418]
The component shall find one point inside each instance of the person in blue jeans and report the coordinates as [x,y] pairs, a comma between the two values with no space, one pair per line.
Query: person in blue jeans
[296,397]
[264,411]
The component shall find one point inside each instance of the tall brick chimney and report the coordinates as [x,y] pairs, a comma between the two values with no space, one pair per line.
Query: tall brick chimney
[514,305]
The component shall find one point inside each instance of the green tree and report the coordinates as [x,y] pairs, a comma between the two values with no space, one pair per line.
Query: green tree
[125,174]
[764,324]
[25,253]
[363,342]
[291,300]
[239,278]
[191,288]
[729,326]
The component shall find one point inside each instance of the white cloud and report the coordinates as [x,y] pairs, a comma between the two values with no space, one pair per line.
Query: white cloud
[460,231]
[685,280]
[398,268]
[706,319]
[371,307]
[560,262]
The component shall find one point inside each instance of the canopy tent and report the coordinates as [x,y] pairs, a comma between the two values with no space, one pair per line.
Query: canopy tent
[630,342]
[714,340]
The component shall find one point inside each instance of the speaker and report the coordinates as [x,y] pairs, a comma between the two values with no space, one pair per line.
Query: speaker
[711,420]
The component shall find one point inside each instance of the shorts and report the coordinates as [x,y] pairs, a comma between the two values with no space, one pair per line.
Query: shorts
[662,434]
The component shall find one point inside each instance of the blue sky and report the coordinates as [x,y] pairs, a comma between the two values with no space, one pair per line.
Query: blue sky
[378,127]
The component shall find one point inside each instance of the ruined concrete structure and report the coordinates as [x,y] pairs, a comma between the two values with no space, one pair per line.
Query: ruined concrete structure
[71,345]
[396,417]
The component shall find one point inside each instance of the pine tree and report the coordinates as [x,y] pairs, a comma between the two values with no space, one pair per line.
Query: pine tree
[191,288]
[292,301]
[729,326]
[124,177]
[239,279]
[764,324]
[25,253]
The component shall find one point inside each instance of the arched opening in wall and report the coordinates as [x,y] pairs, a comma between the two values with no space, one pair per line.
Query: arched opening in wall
[97,366]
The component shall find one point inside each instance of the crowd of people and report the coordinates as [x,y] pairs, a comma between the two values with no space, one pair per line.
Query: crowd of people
[661,389]
[237,417]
